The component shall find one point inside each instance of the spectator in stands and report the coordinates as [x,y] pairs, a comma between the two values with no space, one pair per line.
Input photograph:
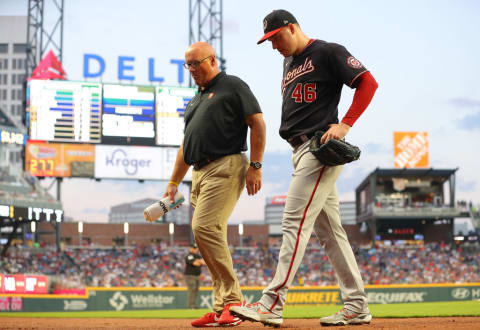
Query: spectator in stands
[154,267]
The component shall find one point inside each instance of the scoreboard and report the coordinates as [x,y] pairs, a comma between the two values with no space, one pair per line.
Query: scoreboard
[65,111]
[128,115]
[70,124]
[171,103]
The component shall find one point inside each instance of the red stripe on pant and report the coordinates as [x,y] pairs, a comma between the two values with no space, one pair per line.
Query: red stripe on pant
[298,235]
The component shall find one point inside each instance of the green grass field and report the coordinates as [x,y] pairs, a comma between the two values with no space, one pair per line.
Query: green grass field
[439,309]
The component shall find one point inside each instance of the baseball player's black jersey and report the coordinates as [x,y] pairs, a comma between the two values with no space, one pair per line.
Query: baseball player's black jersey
[190,268]
[215,119]
[311,87]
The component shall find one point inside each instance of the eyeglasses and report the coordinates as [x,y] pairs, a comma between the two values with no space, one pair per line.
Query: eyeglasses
[194,64]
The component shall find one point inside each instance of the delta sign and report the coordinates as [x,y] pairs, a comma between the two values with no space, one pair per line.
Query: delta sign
[94,66]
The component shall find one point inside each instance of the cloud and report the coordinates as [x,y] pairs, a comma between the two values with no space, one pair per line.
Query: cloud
[277,169]
[231,26]
[89,210]
[466,185]
[375,148]
[470,122]
[352,175]
[464,102]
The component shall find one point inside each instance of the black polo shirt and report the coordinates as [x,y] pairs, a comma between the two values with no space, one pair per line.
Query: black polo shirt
[190,268]
[215,119]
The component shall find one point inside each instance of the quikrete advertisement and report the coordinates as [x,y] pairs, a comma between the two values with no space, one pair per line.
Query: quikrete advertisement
[59,159]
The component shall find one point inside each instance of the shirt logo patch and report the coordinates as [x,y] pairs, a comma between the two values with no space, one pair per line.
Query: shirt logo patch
[210,95]
[354,63]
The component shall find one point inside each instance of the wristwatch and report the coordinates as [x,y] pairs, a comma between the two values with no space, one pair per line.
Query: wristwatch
[256,165]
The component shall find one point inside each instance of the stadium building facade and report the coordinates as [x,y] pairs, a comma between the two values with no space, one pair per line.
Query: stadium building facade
[275,205]
[133,213]
[12,77]
[408,204]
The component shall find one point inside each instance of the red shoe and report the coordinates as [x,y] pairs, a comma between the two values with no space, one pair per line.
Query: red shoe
[227,319]
[207,320]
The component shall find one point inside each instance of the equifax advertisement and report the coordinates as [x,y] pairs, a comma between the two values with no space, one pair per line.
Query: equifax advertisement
[141,163]
[59,159]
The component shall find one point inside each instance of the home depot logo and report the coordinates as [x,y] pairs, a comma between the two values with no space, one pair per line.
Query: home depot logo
[410,149]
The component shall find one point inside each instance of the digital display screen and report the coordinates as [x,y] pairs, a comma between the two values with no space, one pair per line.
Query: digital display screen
[64,111]
[59,159]
[170,106]
[128,115]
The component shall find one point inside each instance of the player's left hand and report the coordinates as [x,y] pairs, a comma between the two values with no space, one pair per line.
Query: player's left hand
[253,180]
[336,131]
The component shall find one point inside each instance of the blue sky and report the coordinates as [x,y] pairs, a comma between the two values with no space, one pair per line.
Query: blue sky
[424,55]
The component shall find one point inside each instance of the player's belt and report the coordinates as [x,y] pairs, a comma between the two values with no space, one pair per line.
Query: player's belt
[299,139]
[205,162]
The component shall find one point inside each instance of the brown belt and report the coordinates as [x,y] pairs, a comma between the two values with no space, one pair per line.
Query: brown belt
[299,139]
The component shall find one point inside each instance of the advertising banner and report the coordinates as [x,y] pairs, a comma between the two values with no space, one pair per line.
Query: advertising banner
[410,149]
[11,137]
[279,200]
[18,284]
[135,162]
[123,299]
[59,159]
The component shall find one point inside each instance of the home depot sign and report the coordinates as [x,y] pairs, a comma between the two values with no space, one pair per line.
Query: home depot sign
[410,149]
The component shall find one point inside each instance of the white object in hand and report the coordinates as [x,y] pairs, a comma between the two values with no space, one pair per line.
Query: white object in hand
[158,209]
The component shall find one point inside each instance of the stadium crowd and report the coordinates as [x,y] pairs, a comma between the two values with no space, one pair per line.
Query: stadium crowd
[161,266]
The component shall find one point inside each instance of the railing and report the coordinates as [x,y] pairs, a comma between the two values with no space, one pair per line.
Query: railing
[443,211]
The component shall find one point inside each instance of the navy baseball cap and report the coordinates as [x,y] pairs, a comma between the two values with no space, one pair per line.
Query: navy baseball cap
[274,22]
[194,246]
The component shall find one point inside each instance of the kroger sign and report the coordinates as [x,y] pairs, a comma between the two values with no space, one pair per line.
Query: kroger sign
[133,162]
[94,66]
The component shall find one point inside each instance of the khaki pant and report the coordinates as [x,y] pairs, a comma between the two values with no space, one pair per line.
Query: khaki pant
[215,191]
[193,284]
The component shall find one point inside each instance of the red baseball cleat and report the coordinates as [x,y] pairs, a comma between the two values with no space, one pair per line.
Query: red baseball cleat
[207,320]
[227,319]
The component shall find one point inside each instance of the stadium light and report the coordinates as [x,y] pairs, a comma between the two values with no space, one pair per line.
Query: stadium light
[125,230]
[171,231]
[80,232]
[240,232]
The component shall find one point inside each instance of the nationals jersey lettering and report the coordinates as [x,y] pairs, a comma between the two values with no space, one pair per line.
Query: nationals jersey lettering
[297,72]
[311,87]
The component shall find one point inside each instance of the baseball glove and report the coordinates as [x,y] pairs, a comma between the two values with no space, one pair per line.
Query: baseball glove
[334,152]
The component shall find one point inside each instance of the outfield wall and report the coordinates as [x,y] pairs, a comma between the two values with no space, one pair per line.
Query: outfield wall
[118,299]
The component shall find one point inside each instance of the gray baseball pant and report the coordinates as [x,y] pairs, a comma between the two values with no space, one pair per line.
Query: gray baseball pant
[312,204]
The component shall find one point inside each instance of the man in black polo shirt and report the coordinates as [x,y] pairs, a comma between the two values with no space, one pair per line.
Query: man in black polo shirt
[216,124]
[193,269]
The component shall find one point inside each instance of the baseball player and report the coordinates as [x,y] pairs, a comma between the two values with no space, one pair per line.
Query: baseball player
[314,72]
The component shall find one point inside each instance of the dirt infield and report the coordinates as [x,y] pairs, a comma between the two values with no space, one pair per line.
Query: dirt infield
[120,323]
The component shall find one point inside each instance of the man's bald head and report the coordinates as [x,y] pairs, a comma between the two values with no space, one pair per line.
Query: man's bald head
[201,48]
[202,62]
